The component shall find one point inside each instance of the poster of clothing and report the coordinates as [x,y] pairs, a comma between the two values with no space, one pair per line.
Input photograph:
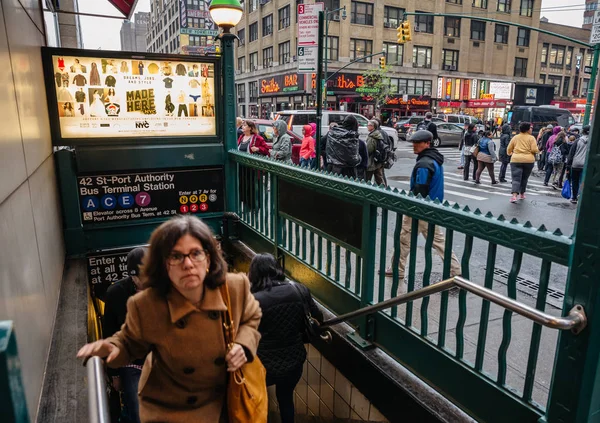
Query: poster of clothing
[117,98]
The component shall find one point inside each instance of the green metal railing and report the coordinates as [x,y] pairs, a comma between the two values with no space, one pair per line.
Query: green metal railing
[461,344]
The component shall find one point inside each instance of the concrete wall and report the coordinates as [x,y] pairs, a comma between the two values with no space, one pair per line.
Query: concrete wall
[31,245]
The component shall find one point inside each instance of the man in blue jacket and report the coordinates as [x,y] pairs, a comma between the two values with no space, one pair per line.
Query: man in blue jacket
[427,179]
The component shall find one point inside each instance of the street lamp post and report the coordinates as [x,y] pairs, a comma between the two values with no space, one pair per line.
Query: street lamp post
[227,14]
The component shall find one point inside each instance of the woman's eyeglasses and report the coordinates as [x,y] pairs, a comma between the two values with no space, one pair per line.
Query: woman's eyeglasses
[195,256]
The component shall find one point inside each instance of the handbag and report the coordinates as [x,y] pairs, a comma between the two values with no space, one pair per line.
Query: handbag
[566,190]
[247,400]
[311,325]
[474,149]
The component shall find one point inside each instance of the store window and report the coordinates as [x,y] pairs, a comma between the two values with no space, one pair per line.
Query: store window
[452,27]
[359,48]
[450,60]
[253,31]
[253,61]
[333,48]
[523,37]
[267,25]
[520,67]
[362,13]
[284,53]
[501,34]
[556,81]
[482,4]
[526,8]
[557,56]
[566,86]
[392,16]
[504,6]
[422,57]
[284,17]
[253,91]
[267,55]
[477,30]
[424,23]
[545,48]
[394,53]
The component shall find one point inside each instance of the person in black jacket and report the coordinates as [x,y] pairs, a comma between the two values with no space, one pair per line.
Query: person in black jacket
[430,126]
[124,379]
[505,138]
[282,326]
[343,148]
[471,139]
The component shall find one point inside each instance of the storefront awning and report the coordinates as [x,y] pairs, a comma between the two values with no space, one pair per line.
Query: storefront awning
[126,7]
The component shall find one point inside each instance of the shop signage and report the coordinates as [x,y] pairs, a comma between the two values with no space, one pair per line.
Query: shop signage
[421,102]
[111,98]
[345,83]
[198,50]
[439,87]
[488,96]
[279,84]
[474,88]
[486,103]
[183,14]
[110,198]
[501,90]
[195,13]
[200,31]
[450,104]
[466,89]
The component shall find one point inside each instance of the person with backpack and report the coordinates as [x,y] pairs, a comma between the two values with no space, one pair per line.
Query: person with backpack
[471,140]
[428,125]
[486,157]
[554,158]
[377,153]
[342,148]
[390,150]
[565,149]
[549,167]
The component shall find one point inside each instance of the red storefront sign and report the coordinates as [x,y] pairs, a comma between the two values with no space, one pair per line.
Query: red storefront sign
[450,103]
[124,6]
[414,102]
[485,104]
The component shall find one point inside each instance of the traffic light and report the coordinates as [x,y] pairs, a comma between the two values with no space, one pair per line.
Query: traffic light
[382,62]
[404,32]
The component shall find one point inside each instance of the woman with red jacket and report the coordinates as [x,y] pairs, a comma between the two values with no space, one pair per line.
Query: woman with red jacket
[250,142]
[307,150]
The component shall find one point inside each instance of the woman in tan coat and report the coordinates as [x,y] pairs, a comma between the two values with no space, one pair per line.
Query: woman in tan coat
[522,150]
[177,325]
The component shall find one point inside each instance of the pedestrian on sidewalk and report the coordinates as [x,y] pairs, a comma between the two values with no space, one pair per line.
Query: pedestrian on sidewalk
[486,157]
[504,157]
[542,140]
[282,144]
[461,146]
[471,139]
[361,169]
[522,149]
[554,159]
[375,148]
[307,149]
[427,179]
[565,150]
[576,162]
[343,148]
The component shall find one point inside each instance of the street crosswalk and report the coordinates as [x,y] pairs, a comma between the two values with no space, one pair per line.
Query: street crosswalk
[457,188]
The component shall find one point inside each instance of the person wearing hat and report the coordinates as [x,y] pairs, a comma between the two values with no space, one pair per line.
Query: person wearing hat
[427,180]
[126,378]
[576,162]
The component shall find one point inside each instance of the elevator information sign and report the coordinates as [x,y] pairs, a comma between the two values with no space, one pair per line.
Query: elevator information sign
[108,198]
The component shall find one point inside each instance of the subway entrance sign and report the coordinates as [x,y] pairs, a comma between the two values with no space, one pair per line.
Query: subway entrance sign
[139,139]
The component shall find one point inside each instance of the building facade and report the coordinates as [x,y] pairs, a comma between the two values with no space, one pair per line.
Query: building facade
[588,16]
[133,33]
[566,65]
[182,27]
[451,64]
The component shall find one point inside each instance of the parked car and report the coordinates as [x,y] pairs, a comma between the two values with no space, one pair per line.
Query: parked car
[296,119]
[265,129]
[404,125]
[449,134]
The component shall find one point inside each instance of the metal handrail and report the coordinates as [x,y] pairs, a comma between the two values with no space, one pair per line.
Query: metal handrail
[97,396]
[575,321]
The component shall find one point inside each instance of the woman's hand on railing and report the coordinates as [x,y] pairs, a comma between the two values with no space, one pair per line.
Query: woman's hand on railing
[100,349]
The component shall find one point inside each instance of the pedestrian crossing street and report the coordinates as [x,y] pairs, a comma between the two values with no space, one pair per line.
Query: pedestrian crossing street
[456,188]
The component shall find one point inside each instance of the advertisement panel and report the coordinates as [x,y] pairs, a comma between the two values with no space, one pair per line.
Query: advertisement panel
[110,98]
[501,90]
[107,198]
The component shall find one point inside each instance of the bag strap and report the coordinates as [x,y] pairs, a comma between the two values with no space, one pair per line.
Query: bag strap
[228,328]
[302,298]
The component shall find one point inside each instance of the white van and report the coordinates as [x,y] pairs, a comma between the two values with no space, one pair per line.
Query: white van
[296,119]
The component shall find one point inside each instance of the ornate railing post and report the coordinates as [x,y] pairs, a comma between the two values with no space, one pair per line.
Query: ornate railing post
[575,389]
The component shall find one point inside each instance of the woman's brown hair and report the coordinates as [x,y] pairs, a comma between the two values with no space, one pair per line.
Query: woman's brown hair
[162,241]
[252,126]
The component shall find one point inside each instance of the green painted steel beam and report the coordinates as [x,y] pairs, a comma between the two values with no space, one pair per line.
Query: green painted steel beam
[537,242]
[13,405]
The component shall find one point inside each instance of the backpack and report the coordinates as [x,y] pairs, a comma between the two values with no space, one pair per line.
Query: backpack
[381,152]
[422,126]
[555,156]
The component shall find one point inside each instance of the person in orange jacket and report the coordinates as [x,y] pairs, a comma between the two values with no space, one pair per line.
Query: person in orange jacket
[307,149]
